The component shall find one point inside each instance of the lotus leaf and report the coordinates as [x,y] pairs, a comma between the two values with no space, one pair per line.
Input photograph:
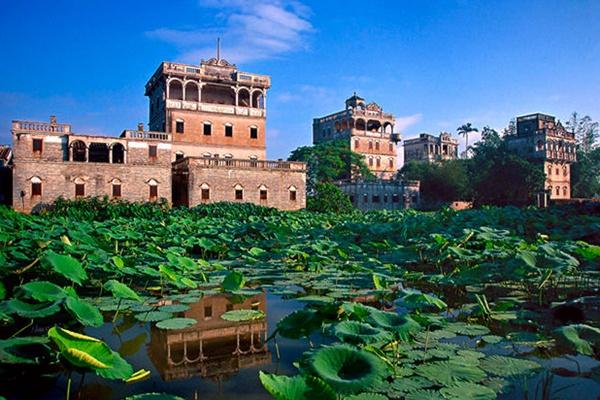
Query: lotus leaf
[446,372]
[233,281]
[10,349]
[43,291]
[583,338]
[121,291]
[296,388]
[85,313]
[153,316]
[88,352]
[242,315]
[174,308]
[298,324]
[67,266]
[468,391]
[26,310]
[176,323]
[347,369]
[358,332]
[508,366]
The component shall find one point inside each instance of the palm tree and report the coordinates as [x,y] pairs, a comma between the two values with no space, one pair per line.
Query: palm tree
[465,130]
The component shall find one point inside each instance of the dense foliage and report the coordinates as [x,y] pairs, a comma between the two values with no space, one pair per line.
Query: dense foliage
[416,305]
[328,197]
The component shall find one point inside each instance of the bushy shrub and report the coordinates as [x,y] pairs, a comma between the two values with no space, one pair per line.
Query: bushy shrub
[329,198]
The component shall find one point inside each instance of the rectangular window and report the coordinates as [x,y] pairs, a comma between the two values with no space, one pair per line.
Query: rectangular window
[253,133]
[179,126]
[385,198]
[263,194]
[229,307]
[37,145]
[375,198]
[391,147]
[376,145]
[205,194]
[292,195]
[391,163]
[378,162]
[79,190]
[228,130]
[370,145]
[152,152]
[36,189]
[207,129]
[207,312]
[356,144]
[239,194]
[370,162]
[395,198]
[116,190]
[365,198]
[153,192]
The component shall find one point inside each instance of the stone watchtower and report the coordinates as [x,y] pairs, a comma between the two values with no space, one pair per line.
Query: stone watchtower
[367,129]
[211,109]
[542,139]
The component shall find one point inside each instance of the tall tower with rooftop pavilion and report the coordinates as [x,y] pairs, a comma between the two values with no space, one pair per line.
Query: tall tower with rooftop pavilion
[211,109]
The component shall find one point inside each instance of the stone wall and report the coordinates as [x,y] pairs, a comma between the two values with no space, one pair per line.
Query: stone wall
[382,195]
[222,182]
[58,180]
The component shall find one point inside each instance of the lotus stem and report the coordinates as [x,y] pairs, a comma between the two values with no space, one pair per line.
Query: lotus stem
[22,329]
[277,350]
[117,311]
[69,387]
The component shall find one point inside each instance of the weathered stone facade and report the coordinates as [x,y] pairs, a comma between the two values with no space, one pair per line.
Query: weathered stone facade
[430,148]
[543,140]
[214,125]
[382,194]
[367,129]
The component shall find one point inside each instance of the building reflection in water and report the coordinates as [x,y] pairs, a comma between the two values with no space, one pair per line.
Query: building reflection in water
[213,348]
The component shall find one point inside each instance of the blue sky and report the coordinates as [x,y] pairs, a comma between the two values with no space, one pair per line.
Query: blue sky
[433,64]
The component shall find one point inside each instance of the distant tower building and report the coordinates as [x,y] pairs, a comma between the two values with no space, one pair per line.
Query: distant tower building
[211,110]
[542,139]
[430,148]
[368,131]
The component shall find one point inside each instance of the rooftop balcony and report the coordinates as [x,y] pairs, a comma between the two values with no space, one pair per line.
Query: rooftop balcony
[41,127]
[229,163]
[216,108]
[146,135]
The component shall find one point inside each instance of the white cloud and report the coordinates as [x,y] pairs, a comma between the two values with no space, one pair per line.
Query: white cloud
[404,122]
[249,31]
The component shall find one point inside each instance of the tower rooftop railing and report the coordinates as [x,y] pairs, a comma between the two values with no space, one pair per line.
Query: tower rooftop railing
[40,127]
[213,162]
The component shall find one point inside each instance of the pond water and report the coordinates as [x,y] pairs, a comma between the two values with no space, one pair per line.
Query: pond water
[217,359]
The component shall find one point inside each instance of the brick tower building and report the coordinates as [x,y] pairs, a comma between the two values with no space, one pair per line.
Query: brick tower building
[542,139]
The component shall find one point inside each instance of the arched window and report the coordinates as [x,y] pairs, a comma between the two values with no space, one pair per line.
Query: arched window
[239,192]
[356,143]
[191,91]
[263,193]
[36,186]
[360,124]
[378,162]
[565,170]
[79,187]
[243,98]
[116,188]
[175,90]
[205,192]
[370,145]
[179,126]
[558,191]
[228,129]
[337,126]
[565,190]
[98,152]
[292,192]
[549,170]
[207,128]
[79,150]
[377,145]
[391,162]
[214,94]
[179,155]
[370,161]
[540,145]
[373,126]
[253,132]
[153,189]
[258,99]
[118,153]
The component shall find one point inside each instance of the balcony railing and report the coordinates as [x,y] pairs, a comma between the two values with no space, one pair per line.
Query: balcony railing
[40,127]
[216,108]
[241,163]
[146,135]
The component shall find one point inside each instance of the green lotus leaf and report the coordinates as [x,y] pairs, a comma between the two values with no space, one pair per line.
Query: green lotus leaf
[176,323]
[492,339]
[508,366]
[366,396]
[85,313]
[462,328]
[242,315]
[358,332]
[446,372]
[67,266]
[121,291]
[583,338]
[43,291]
[299,324]
[435,335]
[424,394]
[470,354]
[347,369]
[296,387]
[11,349]
[154,396]
[153,316]
[32,311]
[233,281]
[174,308]
[138,308]
[468,391]
[403,325]
[88,352]
[411,384]
[315,299]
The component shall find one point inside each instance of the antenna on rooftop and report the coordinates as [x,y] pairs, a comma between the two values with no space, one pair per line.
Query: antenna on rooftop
[218,49]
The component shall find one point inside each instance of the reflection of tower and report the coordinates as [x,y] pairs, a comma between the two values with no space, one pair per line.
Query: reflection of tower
[212,348]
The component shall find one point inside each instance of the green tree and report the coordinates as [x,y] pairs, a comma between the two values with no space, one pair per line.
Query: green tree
[587,131]
[329,198]
[445,181]
[464,130]
[331,161]
[585,174]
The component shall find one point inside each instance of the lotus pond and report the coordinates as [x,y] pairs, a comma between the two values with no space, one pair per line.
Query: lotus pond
[103,301]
